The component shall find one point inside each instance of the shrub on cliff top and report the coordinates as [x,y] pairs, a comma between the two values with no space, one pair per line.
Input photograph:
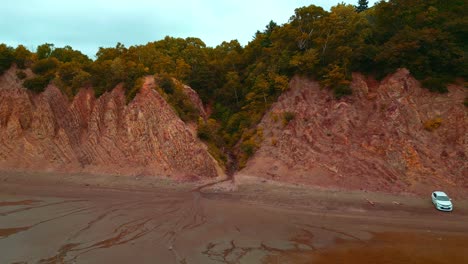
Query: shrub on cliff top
[45,65]
[134,91]
[166,83]
[39,83]
[341,91]
[175,95]
[335,77]
[435,84]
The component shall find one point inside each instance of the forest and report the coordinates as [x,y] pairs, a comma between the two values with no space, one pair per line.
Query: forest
[239,83]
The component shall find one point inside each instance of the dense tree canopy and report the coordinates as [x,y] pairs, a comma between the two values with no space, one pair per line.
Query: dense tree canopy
[238,84]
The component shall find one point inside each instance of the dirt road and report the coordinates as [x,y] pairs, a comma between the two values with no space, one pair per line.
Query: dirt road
[62,221]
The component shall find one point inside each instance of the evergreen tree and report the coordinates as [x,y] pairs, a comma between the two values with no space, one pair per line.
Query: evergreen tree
[362,5]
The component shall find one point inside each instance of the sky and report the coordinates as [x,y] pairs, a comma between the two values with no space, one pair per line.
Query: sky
[87,25]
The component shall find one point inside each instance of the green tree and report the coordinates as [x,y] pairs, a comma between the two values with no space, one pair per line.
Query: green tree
[68,54]
[230,93]
[362,6]
[39,83]
[336,79]
[23,57]
[67,71]
[6,57]
[45,66]
[80,80]
[182,69]
[111,53]
[72,77]
[306,62]
[266,41]
[44,51]
[305,21]
[343,27]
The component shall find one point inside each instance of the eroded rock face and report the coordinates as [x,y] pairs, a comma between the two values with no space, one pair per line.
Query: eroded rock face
[104,135]
[374,140]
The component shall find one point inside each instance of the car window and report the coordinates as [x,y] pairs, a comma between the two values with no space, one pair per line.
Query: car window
[443,198]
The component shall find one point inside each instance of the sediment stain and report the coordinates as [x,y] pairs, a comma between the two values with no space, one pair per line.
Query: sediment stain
[22,202]
[61,254]
[6,232]
[386,247]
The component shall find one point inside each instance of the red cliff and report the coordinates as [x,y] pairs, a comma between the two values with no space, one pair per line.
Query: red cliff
[389,136]
[146,137]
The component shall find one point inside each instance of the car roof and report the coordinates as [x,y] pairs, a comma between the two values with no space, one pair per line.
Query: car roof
[439,193]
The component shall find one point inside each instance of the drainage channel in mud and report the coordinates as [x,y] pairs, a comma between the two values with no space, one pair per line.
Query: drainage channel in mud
[135,227]
[306,242]
[196,213]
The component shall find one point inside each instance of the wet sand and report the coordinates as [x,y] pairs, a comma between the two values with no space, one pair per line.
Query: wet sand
[60,220]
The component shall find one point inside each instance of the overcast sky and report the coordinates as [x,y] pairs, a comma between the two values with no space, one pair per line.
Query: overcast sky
[87,25]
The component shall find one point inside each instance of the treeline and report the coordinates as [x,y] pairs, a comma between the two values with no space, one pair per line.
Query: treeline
[238,84]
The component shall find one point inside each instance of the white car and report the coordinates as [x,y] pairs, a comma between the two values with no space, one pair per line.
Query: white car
[441,201]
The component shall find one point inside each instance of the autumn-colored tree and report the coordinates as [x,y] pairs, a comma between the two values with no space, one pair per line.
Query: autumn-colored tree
[306,62]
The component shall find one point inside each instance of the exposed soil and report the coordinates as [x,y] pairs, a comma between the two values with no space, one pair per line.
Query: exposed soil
[105,135]
[378,139]
[53,218]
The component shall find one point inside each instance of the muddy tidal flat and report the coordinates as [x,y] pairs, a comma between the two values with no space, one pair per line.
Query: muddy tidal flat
[60,221]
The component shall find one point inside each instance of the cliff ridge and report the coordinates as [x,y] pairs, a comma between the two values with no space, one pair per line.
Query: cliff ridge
[47,132]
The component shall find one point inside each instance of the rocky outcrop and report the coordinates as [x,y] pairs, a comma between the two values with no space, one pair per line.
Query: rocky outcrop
[100,136]
[373,140]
